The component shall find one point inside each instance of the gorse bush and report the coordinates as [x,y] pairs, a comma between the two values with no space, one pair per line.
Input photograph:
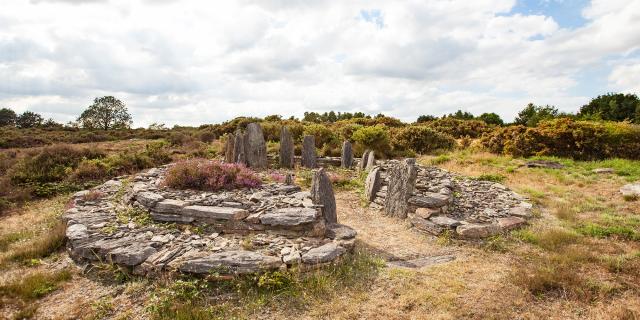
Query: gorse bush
[375,138]
[210,175]
[581,140]
[460,128]
[422,140]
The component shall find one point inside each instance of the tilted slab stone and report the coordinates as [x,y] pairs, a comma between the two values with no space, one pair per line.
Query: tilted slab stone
[402,179]
[289,216]
[287,149]
[309,156]
[231,262]
[346,161]
[322,194]
[426,226]
[477,231]
[322,254]
[170,206]
[217,213]
[372,184]
[430,200]
[255,147]
[149,199]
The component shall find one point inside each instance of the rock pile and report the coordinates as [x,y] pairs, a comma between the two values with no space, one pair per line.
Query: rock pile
[437,201]
[139,224]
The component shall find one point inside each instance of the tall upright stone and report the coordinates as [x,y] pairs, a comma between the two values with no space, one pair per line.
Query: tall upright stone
[363,161]
[239,155]
[347,155]
[255,147]
[322,194]
[371,161]
[402,181]
[228,148]
[372,184]
[309,156]
[286,148]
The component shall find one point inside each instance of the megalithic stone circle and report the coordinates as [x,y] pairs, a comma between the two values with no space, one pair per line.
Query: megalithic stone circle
[255,147]
[286,148]
[309,156]
[322,194]
[347,155]
[402,181]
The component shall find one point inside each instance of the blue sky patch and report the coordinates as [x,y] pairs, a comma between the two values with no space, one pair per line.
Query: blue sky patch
[567,13]
[374,16]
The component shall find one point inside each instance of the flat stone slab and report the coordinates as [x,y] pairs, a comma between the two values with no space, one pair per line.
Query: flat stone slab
[430,200]
[421,262]
[477,231]
[445,221]
[289,216]
[217,213]
[322,254]
[631,190]
[231,262]
[149,199]
[544,164]
[170,206]
[340,232]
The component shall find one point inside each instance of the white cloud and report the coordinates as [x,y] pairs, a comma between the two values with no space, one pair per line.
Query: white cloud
[192,62]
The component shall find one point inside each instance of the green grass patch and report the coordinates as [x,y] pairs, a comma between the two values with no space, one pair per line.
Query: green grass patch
[34,285]
[491,177]
[599,231]
[550,240]
[41,247]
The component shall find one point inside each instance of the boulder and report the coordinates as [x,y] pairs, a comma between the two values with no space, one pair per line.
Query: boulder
[309,156]
[322,254]
[255,147]
[322,195]
[346,161]
[286,148]
[402,179]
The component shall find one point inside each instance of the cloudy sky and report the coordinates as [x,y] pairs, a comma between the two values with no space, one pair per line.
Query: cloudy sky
[202,61]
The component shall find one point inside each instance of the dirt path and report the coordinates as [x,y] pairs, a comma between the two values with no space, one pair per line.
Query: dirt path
[391,238]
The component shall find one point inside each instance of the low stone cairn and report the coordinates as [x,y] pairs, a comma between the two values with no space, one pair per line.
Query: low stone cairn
[436,201]
[140,224]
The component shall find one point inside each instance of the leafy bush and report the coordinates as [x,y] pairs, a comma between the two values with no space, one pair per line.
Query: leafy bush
[204,174]
[460,128]
[582,140]
[422,140]
[375,138]
[323,135]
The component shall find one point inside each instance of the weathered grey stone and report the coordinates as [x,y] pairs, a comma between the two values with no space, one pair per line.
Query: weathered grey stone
[445,221]
[167,217]
[324,253]
[170,206]
[603,170]
[288,179]
[371,160]
[215,213]
[77,232]
[372,184]
[149,199]
[522,210]
[132,255]
[477,231]
[544,164]
[255,147]
[322,194]
[228,149]
[286,148]
[239,153]
[430,200]
[346,161]
[340,232]
[292,257]
[231,262]
[402,179]
[426,213]
[631,190]
[363,161]
[309,156]
[510,223]
[289,216]
[426,226]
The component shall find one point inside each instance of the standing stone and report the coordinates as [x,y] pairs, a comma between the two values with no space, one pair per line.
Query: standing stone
[288,179]
[363,161]
[347,155]
[372,184]
[309,157]
[255,147]
[228,149]
[286,148]
[371,160]
[322,194]
[239,155]
[402,180]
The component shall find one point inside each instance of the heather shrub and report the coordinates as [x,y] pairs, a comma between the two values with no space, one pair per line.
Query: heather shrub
[209,175]
[422,140]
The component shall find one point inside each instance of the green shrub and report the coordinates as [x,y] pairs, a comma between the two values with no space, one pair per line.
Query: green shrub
[323,135]
[375,138]
[460,128]
[422,140]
